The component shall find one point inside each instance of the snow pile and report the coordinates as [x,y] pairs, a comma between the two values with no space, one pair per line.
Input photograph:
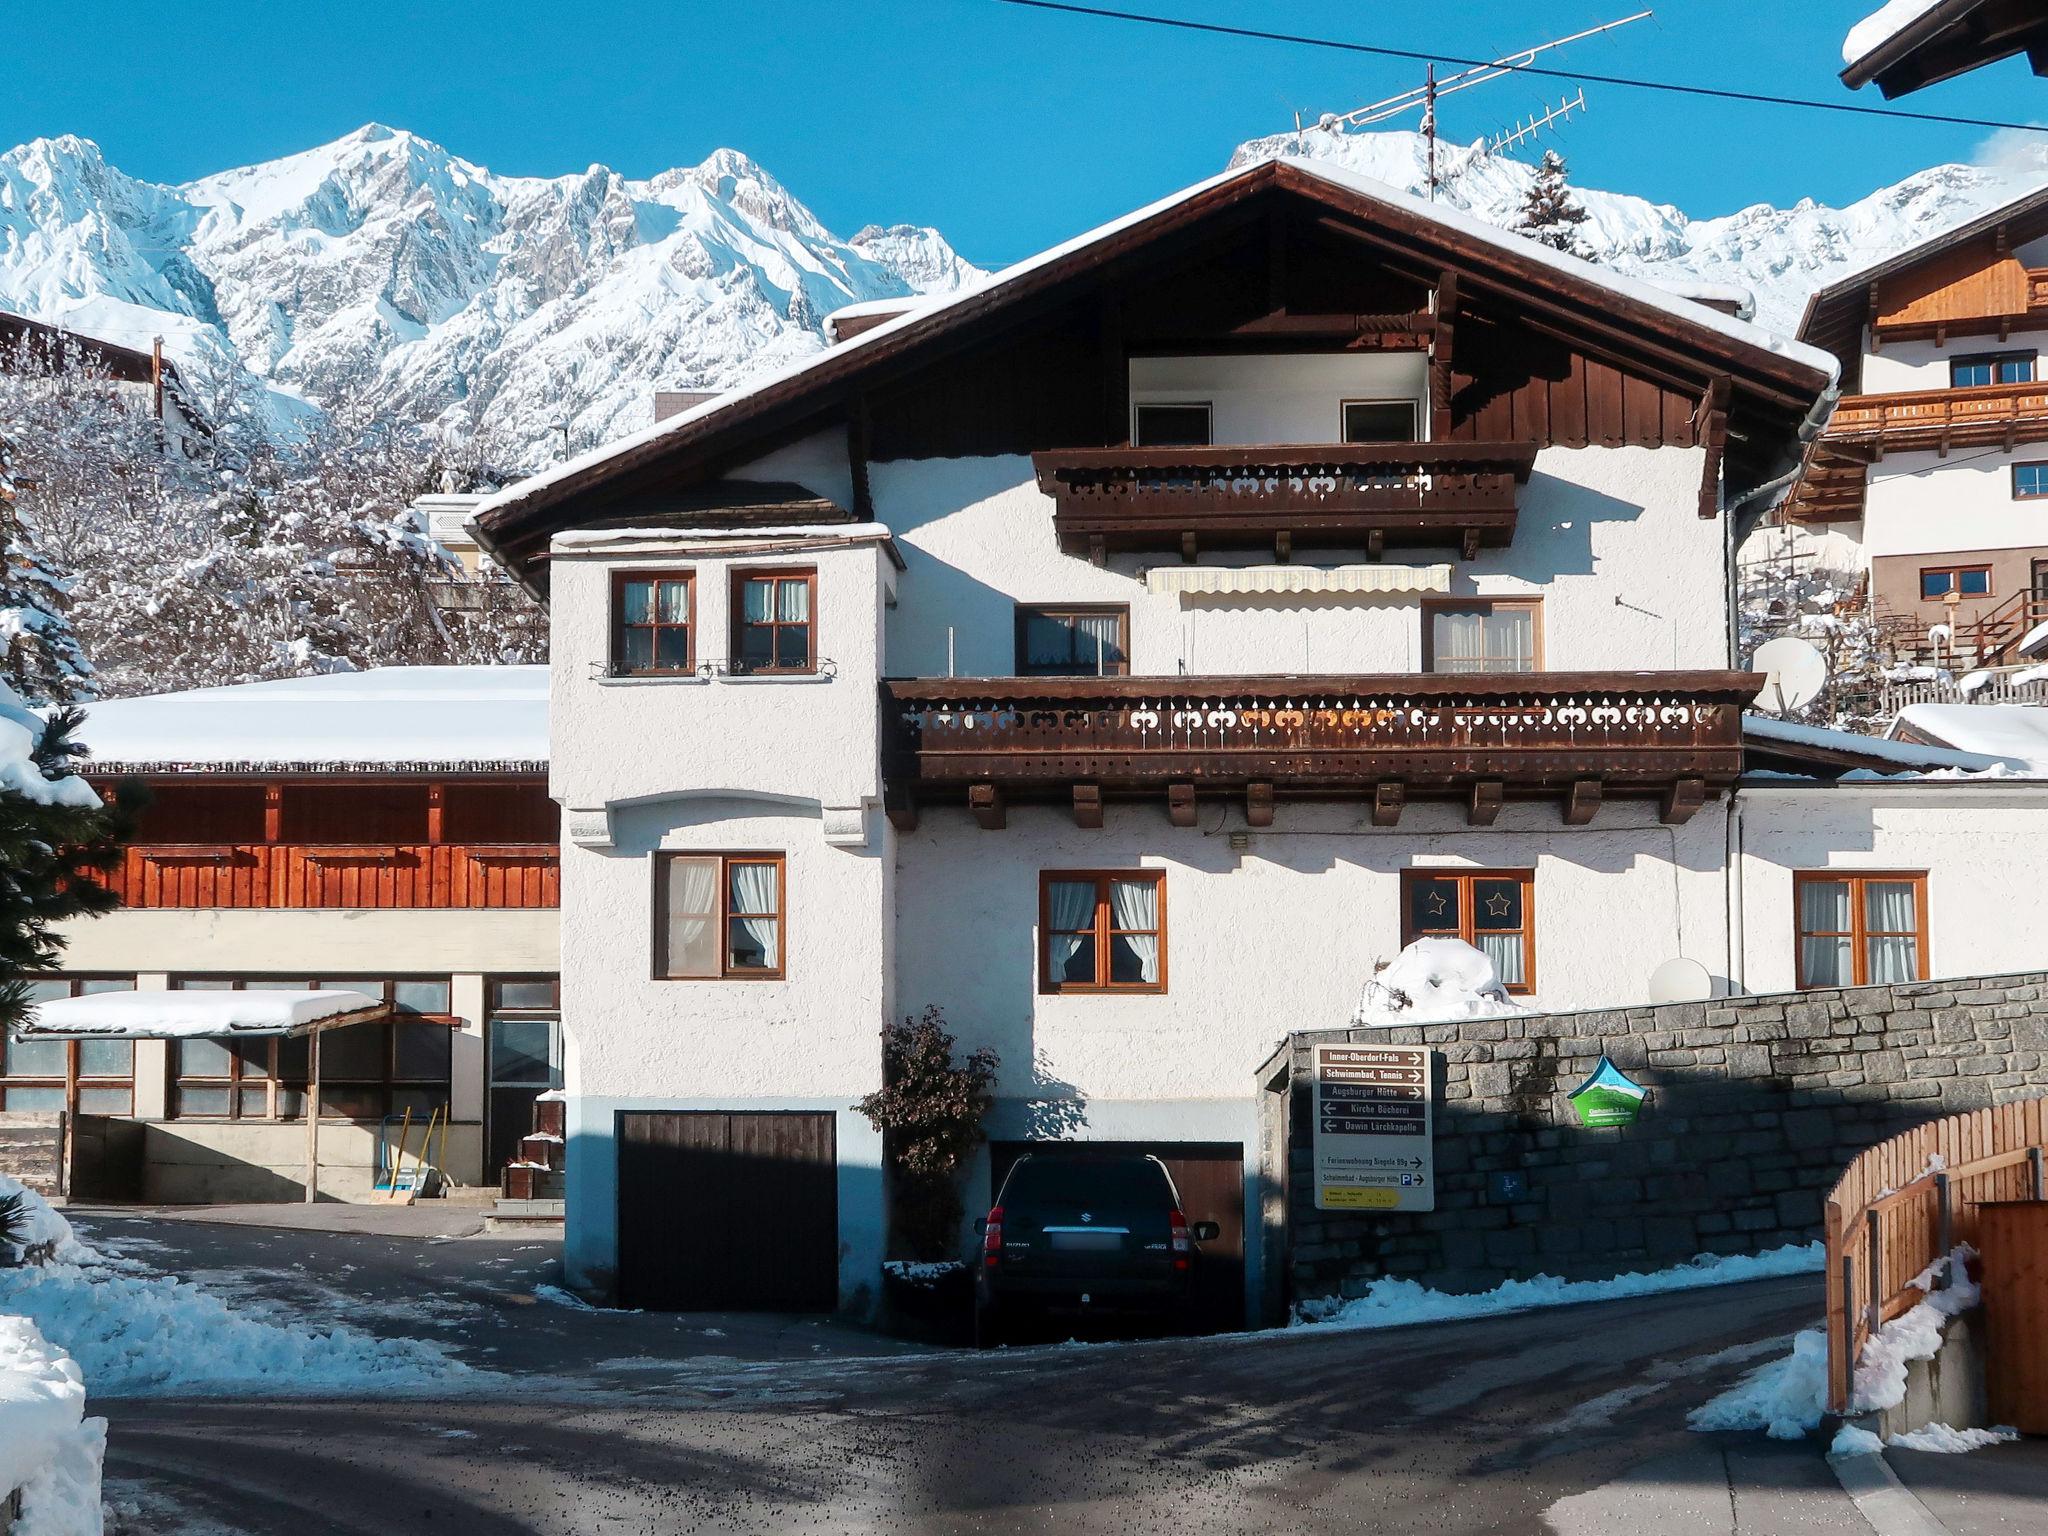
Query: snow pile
[1881,26]
[1915,1335]
[144,1336]
[41,1228]
[1851,1440]
[1785,1399]
[1943,1441]
[2017,733]
[923,1273]
[1433,981]
[21,732]
[1392,1303]
[42,1402]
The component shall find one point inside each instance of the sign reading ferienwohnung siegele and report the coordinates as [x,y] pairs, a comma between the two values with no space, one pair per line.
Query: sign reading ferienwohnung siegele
[1373,1128]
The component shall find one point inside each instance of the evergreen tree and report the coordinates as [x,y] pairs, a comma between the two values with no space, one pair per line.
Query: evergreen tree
[39,655]
[1550,214]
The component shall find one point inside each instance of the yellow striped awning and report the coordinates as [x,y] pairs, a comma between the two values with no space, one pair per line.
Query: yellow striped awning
[1219,579]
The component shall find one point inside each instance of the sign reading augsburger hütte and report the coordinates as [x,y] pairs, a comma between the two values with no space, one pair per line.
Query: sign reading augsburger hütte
[1373,1128]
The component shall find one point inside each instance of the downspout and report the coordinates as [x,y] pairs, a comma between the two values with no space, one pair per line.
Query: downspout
[1809,434]
[1733,875]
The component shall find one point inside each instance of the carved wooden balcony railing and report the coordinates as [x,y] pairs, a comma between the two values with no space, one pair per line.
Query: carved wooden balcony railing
[1986,415]
[324,875]
[1366,495]
[1387,738]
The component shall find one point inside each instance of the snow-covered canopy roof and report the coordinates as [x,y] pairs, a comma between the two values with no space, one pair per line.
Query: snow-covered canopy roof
[391,719]
[2016,734]
[1774,746]
[1907,45]
[196,1015]
[510,524]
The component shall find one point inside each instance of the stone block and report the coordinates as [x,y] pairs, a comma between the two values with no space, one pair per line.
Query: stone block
[1514,1245]
[1671,1237]
[1799,1208]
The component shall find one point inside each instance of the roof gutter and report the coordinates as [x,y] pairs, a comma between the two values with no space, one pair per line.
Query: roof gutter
[1810,429]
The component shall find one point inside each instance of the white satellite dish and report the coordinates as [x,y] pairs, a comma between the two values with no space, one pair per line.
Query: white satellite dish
[1794,672]
[1681,981]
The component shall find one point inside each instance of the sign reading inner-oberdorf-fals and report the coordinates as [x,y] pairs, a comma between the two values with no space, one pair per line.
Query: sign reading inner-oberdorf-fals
[1373,1128]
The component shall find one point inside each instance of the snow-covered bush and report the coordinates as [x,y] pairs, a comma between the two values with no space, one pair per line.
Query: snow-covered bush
[1433,981]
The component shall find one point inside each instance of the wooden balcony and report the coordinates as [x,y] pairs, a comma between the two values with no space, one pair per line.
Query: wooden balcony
[1368,496]
[1386,739]
[329,875]
[1936,420]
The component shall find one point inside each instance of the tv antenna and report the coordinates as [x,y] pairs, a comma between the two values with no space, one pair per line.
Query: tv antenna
[1425,96]
[1508,138]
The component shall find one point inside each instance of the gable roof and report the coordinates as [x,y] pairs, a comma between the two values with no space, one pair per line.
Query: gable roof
[1784,376]
[1911,44]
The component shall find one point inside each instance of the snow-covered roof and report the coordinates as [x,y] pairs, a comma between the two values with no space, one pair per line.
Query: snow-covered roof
[820,533]
[2013,733]
[981,294]
[415,719]
[1881,26]
[1733,297]
[1904,759]
[193,1015]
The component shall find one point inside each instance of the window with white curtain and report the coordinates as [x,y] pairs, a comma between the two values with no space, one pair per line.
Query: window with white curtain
[1490,909]
[1073,641]
[1102,931]
[773,625]
[719,916]
[1857,930]
[1498,635]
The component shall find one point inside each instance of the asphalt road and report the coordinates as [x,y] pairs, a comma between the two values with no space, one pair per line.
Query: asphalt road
[1471,1427]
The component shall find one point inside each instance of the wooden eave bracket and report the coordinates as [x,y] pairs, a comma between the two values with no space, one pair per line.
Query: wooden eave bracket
[1445,303]
[1711,424]
[1388,796]
[1258,805]
[900,806]
[1088,807]
[1581,802]
[986,803]
[1180,804]
[1681,800]
[1485,804]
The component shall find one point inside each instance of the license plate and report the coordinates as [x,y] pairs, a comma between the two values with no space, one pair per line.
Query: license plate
[1086,1242]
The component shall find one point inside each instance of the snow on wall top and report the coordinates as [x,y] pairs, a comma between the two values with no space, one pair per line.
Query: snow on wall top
[2015,733]
[1881,26]
[1637,289]
[190,1015]
[461,718]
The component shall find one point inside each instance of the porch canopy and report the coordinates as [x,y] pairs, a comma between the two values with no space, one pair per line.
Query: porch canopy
[213,1015]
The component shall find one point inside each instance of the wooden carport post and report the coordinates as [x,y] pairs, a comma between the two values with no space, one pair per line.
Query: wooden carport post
[312,1112]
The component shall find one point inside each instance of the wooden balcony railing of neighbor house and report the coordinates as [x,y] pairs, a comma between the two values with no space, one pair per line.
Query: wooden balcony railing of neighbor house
[1365,495]
[1387,739]
[1909,1202]
[1936,420]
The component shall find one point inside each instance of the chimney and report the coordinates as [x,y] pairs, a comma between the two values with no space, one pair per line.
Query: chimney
[673,402]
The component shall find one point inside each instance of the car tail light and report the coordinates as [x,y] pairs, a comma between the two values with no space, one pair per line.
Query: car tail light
[992,1238]
[1183,1245]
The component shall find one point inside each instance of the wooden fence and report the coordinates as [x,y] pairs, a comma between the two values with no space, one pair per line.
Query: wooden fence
[1907,1202]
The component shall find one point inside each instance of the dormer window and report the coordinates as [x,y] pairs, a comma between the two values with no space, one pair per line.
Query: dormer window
[1379,421]
[653,620]
[1991,368]
[1183,425]
[772,622]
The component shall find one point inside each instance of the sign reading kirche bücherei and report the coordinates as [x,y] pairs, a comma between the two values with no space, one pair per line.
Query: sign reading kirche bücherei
[1373,1128]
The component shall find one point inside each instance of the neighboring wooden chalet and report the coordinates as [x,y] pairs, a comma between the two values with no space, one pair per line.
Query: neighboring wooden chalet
[386,833]
[1910,47]
[149,375]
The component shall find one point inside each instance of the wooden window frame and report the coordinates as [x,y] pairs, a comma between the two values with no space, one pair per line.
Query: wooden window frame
[1859,934]
[1121,612]
[1526,878]
[726,970]
[73,1079]
[2031,355]
[1415,417]
[620,581]
[740,578]
[1207,407]
[387,1084]
[2020,495]
[1955,574]
[1103,932]
[1432,606]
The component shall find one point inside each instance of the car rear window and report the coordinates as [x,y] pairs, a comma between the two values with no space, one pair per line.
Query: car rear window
[1100,1180]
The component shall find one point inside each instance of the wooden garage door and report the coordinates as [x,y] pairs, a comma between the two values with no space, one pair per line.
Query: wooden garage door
[727,1211]
[1210,1178]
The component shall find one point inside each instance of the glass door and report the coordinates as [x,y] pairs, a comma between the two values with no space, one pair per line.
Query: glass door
[523,1053]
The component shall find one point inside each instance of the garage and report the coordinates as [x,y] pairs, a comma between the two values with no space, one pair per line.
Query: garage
[1210,1178]
[728,1211]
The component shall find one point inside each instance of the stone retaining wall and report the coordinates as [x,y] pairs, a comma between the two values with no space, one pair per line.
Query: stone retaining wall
[1756,1104]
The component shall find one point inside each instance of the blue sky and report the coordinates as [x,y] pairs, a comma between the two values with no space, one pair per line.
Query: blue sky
[1006,128]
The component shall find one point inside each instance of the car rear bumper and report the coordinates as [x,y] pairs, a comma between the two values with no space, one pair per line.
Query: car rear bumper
[1060,1293]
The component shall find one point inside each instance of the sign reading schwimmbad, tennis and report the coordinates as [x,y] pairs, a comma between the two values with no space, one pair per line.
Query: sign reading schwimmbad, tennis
[1372,1129]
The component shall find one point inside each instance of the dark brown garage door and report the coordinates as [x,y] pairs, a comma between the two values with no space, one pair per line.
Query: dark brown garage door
[1210,1178]
[728,1211]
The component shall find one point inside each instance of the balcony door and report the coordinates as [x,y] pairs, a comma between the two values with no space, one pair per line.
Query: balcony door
[523,1059]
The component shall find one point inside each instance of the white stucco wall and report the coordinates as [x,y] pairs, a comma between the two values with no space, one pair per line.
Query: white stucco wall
[1899,366]
[1282,399]
[1278,938]
[339,942]
[1596,525]
[1982,847]
[1920,503]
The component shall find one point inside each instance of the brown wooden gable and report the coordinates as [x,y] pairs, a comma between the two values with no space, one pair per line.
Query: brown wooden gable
[1275,258]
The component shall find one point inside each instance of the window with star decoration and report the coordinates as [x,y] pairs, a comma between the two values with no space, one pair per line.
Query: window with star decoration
[1491,909]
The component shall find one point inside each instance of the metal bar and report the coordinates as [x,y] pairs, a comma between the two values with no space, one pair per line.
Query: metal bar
[1945,1231]
[1873,1224]
[2034,1157]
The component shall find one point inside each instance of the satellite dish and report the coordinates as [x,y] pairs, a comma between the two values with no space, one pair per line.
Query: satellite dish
[1681,981]
[1794,672]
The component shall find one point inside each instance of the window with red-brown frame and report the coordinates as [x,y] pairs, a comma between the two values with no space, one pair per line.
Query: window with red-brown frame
[91,1077]
[1102,930]
[1859,928]
[1493,910]
[654,623]
[774,622]
[720,917]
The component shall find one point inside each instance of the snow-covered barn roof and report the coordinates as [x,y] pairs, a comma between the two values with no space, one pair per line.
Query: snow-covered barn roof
[514,524]
[1907,45]
[196,1015]
[479,719]
[1777,747]
[2014,733]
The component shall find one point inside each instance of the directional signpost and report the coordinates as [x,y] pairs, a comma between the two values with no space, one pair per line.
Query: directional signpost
[1373,1129]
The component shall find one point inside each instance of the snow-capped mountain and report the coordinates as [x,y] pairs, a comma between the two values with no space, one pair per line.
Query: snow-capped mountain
[1781,255]
[544,312]
[381,264]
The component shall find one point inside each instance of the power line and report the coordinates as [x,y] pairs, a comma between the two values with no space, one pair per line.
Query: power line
[1756,98]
